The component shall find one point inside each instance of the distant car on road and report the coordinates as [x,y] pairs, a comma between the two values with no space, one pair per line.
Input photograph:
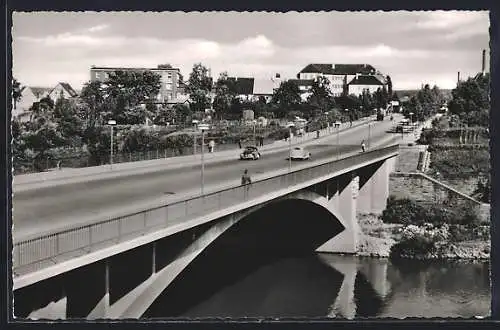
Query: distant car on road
[300,153]
[250,152]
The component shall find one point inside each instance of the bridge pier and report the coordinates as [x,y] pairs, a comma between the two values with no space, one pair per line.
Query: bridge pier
[374,188]
[345,202]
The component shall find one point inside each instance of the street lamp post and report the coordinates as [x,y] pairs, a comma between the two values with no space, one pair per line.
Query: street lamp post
[111,123]
[337,126]
[194,122]
[203,128]
[411,116]
[254,137]
[369,134]
[290,146]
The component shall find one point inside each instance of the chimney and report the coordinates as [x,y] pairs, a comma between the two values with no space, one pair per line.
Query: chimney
[484,61]
[458,77]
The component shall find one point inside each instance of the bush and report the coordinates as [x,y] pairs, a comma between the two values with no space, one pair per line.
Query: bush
[408,212]
[279,134]
[453,163]
[420,242]
[402,211]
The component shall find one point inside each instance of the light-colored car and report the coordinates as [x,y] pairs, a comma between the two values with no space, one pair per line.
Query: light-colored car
[300,153]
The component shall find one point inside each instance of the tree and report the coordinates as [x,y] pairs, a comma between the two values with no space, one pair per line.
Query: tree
[199,86]
[367,102]
[381,98]
[389,86]
[182,113]
[470,100]
[42,132]
[16,91]
[68,123]
[224,94]
[164,115]
[126,90]
[287,94]
[321,97]
[92,96]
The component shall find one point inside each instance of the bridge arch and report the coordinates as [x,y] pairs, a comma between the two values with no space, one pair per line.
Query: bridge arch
[269,231]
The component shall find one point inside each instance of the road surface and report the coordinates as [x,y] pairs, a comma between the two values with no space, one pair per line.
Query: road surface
[57,206]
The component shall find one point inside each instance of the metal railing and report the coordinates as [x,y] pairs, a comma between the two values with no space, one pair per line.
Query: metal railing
[35,252]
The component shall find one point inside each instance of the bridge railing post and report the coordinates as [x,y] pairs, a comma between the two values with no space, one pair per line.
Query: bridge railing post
[57,243]
[120,229]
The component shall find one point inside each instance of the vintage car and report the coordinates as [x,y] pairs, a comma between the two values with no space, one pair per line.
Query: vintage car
[299,153]
[250,152]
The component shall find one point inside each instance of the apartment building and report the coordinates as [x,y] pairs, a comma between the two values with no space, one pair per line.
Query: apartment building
[171,79]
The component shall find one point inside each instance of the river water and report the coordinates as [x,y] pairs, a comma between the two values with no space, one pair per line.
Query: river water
[324,285]
[319,286]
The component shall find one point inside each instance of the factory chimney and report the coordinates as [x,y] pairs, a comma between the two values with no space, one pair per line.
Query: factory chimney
[458,77]
[484,61]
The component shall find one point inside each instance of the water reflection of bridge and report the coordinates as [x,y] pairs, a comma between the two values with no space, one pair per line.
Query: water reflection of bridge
[365,286]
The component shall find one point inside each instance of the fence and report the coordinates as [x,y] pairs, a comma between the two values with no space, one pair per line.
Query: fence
[34,252]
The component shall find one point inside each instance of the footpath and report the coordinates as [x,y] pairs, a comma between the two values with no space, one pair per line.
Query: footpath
[73,175]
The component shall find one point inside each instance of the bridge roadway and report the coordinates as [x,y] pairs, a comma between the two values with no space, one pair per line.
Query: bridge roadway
[52,208]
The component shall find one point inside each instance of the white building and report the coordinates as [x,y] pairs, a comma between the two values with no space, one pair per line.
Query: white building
[62,90]
[363,83]
[339,75]
[29,95]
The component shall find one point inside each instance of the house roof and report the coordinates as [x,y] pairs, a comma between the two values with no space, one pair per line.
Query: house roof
[132,69]
[339,69]
[352,69]
[69,89]
[40,91]
[242,86]
[318,68]
[366,80]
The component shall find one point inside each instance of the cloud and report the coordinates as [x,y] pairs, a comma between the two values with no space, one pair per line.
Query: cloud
[450,19]
[98,28]
[409,46]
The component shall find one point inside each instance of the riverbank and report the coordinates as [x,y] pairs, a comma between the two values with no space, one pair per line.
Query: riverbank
[377,238]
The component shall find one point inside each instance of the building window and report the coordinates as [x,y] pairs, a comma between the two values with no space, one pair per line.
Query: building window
[168,86]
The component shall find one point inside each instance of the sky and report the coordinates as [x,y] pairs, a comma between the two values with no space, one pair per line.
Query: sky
[412,47]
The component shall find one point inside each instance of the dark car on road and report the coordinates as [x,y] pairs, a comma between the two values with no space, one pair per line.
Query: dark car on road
[250,152]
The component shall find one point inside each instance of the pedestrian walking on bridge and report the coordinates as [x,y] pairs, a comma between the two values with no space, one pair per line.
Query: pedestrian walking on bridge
[246,181]
[363,146]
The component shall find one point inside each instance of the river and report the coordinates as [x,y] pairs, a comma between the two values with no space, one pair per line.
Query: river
[325,285]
